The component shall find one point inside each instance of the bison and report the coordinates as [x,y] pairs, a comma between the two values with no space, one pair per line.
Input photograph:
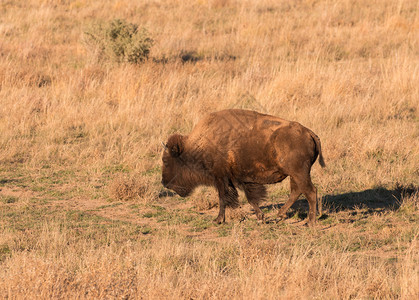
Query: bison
[244,149]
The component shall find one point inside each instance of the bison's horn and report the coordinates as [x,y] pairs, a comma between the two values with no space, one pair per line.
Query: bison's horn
[164,145]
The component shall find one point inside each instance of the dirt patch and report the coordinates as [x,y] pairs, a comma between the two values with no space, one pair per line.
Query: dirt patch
[15,195]
[118,211]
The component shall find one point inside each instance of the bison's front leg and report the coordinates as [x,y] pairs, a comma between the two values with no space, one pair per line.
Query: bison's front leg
[221,218]
[254,194]
[228,196]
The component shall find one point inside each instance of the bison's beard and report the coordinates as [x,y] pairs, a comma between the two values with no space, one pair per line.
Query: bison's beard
[181,191]
[186,181]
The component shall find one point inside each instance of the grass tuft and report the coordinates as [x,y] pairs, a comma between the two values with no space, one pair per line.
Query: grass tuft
[128,187]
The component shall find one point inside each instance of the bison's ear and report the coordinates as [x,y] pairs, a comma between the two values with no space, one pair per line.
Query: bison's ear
[176,144]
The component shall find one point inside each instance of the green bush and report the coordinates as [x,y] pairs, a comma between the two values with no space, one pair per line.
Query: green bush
[119,40]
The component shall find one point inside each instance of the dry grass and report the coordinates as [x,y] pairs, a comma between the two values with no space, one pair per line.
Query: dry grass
[297,263]
[127,187]
[72,227]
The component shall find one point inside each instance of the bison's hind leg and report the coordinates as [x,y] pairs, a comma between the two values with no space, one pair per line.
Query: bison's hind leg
[255,193]
[311,193]
[295,193]
[301,185]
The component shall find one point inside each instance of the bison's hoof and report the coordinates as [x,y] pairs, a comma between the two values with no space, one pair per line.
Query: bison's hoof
[261,218]
[219,220]
[311,224]
[282,216]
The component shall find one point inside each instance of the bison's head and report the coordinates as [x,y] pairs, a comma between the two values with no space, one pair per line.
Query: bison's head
[175,170]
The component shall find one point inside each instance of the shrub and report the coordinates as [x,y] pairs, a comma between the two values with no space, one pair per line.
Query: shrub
[119,40]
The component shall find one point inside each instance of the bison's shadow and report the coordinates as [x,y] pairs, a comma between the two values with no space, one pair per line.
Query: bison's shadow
[375,200]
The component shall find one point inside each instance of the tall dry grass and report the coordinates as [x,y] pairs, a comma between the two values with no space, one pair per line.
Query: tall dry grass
[60,266]
[347,69]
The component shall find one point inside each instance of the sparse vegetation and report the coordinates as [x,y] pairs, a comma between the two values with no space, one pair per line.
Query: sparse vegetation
[82,211]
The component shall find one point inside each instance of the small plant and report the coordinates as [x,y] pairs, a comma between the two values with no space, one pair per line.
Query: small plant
[8,199]
[409,204]
[119,41]
[205,198]
[4,252]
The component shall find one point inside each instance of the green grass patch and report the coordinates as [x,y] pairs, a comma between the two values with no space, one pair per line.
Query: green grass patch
[8,199]
[4,252]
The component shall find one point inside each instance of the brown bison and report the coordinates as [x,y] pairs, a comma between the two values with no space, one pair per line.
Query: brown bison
[243,149]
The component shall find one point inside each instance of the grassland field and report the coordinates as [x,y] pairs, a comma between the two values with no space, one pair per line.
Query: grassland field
[83,214]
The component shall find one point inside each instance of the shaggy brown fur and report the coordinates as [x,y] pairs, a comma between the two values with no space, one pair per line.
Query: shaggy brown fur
[245,149]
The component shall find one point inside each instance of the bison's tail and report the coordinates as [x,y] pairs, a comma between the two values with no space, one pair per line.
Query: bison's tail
[321,160]
[319,148]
